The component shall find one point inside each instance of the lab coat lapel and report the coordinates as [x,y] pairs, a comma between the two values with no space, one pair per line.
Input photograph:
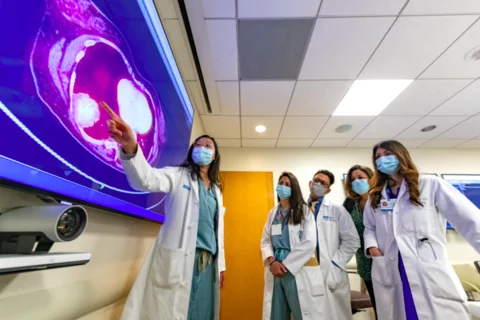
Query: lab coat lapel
[403,189]
[194,183]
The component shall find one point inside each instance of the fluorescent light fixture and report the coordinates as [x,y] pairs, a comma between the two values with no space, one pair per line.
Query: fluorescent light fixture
[370,97]
[260,128]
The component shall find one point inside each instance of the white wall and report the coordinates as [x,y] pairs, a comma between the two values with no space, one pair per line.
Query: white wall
[197,128]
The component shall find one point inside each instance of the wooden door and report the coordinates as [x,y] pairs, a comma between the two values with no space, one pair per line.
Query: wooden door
[247,197]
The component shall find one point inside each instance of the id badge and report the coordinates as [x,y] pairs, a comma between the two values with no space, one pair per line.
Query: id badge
[276,229]
[387,204]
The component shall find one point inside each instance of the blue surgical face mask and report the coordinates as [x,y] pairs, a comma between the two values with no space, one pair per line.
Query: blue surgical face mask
[202,156]
[283,192]
[360,186]
[388,164]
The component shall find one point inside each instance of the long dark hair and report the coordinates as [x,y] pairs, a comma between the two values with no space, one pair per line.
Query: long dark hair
[407,170]
[297,203]
[213,170]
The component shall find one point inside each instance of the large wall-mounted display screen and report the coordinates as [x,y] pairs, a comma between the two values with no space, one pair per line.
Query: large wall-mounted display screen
[58,60]
[467,184]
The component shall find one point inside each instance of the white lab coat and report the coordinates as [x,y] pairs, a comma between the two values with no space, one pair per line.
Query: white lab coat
[338,242]
[162,288]
[435,287]
[309,279]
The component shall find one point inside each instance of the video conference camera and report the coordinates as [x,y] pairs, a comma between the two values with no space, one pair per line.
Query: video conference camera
[28,233]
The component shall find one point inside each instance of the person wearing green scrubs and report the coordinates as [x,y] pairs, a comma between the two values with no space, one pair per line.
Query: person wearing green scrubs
[282,253]
[285,297]
[201,305]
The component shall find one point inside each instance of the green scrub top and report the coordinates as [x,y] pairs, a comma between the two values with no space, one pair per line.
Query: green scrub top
[281,242]
[207,220]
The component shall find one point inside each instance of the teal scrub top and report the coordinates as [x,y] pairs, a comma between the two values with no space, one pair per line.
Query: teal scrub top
[281,243]
[207,220]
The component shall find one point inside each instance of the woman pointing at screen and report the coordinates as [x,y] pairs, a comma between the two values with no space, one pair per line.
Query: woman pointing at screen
[182,274]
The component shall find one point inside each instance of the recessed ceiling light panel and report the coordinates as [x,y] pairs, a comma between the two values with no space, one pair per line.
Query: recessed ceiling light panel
[260,128]
[370,97]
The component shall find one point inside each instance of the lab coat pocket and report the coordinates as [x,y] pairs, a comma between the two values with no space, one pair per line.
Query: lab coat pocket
[442,281]
[313,279]
[381,272]
[335,277]
[167,267]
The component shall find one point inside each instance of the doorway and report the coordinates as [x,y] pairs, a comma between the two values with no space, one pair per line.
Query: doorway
[247,197]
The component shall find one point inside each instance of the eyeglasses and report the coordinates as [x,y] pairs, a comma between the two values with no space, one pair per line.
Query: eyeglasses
[323,183]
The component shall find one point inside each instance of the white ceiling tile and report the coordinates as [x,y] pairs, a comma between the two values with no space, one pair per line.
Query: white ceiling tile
[265,97]
[273,125]
[441,144]
[370,143]
[218,8]
[302,127]
[412,143]
[461,59]
[222,35]
[339,48]
[317,97]
[330,143]
[443,123]
[465,103]
[427,7]
[229,143]
[277,8]
[357,123]
[387,127]
[228,96]
[466,130]
[259,143]
[422,96]
[363,143]
[180,49]
[225,127]
[412,44]
[470,144]
[196,96]
[361,8]
[166,9]
[294,143]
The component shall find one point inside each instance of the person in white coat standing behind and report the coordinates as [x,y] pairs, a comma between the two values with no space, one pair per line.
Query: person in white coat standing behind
[293,281]
[338,241]
[405,233]
[183,272]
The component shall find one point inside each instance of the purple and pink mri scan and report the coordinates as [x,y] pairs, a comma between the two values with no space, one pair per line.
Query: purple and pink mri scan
[65,57]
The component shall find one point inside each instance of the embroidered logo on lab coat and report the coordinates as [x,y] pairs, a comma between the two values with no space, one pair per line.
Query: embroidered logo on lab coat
[186,187]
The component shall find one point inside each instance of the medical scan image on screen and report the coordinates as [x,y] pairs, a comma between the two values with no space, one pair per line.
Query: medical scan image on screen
[468,185]
[63,59]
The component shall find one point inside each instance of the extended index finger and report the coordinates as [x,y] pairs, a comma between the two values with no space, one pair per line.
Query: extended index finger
[109,110]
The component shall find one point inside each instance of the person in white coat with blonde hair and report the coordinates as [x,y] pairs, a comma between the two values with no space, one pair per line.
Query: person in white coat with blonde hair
[338,241]
[184,270]
[405,234]
[293,282]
